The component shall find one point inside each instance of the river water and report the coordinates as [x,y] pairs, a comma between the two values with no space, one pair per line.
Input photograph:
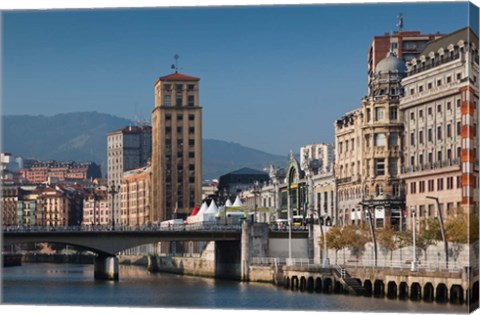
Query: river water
[69,284]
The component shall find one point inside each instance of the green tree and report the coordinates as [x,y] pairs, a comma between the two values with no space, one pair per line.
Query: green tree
[430,234]
[462,229]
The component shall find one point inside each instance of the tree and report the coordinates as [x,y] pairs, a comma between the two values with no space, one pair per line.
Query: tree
[430,234]
[355,238]
[462,229]
[389,240]
[335,240]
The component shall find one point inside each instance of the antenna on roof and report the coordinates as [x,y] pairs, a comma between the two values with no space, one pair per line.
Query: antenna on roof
[175,66]
[400,22]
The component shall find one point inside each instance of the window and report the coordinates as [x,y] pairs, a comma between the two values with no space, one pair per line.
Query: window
[440,184]
[393,166]
[439,108]
[458,103]
[449,105]
[412,91]
[449,131]
[191,117]
[412,138]
[379,167]
[420,137]
[380,140]
[178,87]
[179,129]
[420,159]
[368,115]
[420,88]
[439,156]
[353,144]
[191,142]
[421,186]
[439,82]
[191,154]
[168,87]
[191,130]
[393,113]
[413,188]
[412,160]
[449,79]
[379,113]
[420,113]
[430,111]
[167,100]
[179,117]
[393,139]
[412,115]
[396,189]
[431,185]
[168,129]
[429,86]
[340,147]
[459,76]
[439,133]
[459,128]
[168,117]
[449,183]
[191,100]
[191,87]
[379,190]
[179,101]
[449,154]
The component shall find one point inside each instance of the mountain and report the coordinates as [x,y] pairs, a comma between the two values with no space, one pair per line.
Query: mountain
[83,137]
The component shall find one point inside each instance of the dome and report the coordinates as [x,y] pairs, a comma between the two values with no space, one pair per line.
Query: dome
[391,64]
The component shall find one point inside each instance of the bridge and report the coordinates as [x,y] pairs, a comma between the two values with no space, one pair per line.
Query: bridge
[234,244]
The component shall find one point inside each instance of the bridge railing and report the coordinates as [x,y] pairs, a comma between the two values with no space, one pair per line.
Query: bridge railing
[199,226]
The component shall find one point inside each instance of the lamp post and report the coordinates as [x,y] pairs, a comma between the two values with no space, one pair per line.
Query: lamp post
[256,186]
[113,191]
[289,209]
[95,199]
[414,266]
[372,232]
[442,228]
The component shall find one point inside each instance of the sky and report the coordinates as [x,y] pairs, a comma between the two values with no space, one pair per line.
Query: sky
[273,78]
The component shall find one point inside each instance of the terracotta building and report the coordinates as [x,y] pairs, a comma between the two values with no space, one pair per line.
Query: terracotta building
[95,207]
[440,113]
[40,172]
[135,197]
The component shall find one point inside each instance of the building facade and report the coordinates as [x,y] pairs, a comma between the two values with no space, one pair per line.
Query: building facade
[135,197]
[127,148]
[323,153]
[40,172]
[440,114]
[177,147]
[95,207]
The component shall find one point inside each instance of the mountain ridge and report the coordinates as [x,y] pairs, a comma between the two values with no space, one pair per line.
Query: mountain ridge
[82,136]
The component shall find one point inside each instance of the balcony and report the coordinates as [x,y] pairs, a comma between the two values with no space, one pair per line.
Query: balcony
[430,65]
[430,166]
[344,180]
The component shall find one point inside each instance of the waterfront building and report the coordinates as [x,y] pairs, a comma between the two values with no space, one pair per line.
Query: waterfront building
[41,171]
[349,168]
[95,207]
[177,147]
[135,197]
[127,148]
[8,204]
[440,114]
[27,206]
[368,142]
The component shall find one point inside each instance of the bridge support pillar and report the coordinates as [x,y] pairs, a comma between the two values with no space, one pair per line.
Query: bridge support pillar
[254,243]
[106,268]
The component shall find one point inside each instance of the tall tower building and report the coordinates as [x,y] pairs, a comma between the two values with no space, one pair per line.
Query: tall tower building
[127,148]
[177,147]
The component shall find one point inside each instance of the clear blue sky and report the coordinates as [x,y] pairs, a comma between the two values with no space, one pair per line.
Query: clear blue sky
[272,78]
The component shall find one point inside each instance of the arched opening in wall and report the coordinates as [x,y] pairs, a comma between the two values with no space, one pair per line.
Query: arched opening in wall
[428,292]
[392,290]
[294,285]
[318,285]
[337,287]
[456,294]
[327,285]
[303,284]
[403,291]
[286,282]
[415,292]
[475,292]
[368,287]
[441,293]
[378,289]
[310,284]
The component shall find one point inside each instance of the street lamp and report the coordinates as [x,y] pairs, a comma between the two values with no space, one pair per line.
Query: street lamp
[113,191]
[372,232]
[256,187]
[414,227]
[442,228]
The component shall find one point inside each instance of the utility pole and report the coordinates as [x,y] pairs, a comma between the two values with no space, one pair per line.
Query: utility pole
[113,191]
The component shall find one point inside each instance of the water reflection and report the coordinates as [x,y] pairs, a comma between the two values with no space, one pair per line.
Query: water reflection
[50,284]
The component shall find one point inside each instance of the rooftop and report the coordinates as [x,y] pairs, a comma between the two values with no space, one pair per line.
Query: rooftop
[178,77]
